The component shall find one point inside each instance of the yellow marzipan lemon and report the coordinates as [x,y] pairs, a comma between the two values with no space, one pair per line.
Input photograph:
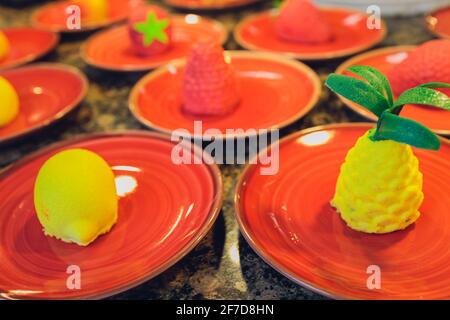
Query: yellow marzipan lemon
[9,102]
[75,196]
[93,11]
[379,189]
[4,46]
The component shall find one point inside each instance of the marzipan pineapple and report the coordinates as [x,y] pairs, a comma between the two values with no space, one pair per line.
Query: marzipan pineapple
[379,188]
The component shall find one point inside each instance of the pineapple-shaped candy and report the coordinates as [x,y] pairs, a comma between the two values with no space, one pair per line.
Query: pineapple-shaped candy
[379,188]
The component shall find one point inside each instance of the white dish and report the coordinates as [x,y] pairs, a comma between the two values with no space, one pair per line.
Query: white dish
[389,7]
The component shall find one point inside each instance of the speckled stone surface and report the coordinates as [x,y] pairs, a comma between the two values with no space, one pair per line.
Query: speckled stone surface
[222,266]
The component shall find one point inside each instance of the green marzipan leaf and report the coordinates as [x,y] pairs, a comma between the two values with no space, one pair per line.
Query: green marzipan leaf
[357,91]
[435,85]
[393,127]
[376,79]
[425,96]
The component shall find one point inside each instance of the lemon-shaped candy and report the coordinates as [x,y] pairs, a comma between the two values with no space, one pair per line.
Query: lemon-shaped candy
[75,196]
[9,105]
[93,11]
[4,46]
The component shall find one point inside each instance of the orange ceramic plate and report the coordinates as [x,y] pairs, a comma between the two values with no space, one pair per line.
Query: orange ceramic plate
[47,92]
[288,221]
[383,60]
[112,49]
[208,4]
[438,22]
[349,29]
[165,209]
[53,16]
[276,89]
[26,45]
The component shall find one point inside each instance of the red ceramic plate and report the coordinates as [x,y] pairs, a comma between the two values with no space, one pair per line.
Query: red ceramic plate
[53,16]
[164,211]
[99,52]
[288,221]
[438,22]
[47,92]
[26,45]
[349,28]
[383,60]
[277,89]
[208,4]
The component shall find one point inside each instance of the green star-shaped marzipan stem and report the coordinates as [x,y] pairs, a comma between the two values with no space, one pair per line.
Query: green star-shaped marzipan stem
[375,95]
[153,29]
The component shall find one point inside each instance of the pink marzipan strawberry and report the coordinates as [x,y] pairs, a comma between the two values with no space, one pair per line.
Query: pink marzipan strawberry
[209,85]
[300,21]
[429,62]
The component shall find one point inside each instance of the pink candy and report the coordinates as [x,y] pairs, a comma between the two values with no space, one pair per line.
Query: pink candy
[210,85]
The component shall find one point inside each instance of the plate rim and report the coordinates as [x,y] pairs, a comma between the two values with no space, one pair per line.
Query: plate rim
[213,213]
[56,38]
[210,8]
[62,113]
[244,230]
[299,66]
[307,57]
[371,53]
[85,57]
[57,29]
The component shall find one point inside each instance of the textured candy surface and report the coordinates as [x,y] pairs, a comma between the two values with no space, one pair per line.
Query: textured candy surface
[379,188]
[209,85]
[429,62]
[300,21]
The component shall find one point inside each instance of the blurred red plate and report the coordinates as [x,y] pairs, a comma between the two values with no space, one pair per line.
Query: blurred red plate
[164,211]
[208,4]
[276,89]
[112,49]
[47,92]
[349,28]
[288,221]
[383,60]
[26,45]
[438,22]
[53,16]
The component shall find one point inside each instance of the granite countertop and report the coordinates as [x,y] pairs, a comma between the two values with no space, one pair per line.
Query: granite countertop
[222,266]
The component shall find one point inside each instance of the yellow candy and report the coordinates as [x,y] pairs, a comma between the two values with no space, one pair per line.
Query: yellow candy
[379,188]
[9,105]
[75,196]
[93,10]
[4,46]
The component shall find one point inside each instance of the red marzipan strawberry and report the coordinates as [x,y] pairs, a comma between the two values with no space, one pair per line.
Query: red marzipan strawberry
[430,62]
[209,84]
[300,21]
[140,17]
